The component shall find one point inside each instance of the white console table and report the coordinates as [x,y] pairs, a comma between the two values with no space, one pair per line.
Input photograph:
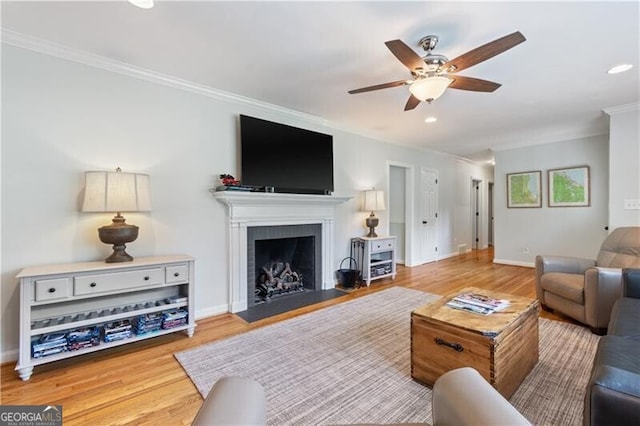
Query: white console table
[62,298]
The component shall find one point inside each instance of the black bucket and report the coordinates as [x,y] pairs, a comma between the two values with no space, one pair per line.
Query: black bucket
[347,278]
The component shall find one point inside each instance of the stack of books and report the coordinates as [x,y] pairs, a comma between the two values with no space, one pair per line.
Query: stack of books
[116,330]
[477,303]
[148,323]
[174,318]
[48,344]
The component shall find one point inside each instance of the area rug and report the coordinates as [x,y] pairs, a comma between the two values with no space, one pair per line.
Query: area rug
[350,363]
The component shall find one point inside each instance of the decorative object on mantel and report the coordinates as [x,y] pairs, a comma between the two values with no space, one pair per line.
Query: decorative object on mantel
[373,201]
[117,192]
[229,180]
[229,183]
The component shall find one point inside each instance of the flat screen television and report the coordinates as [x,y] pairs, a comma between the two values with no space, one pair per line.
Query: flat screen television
[283,158]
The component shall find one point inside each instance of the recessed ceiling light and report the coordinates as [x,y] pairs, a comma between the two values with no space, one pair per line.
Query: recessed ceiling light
[430,120]
[620,68]
[143,4]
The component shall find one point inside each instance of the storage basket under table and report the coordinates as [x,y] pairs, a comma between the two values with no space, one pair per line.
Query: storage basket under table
[502,346]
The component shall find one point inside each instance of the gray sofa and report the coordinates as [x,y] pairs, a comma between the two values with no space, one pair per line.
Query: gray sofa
[460,397]
[613,392]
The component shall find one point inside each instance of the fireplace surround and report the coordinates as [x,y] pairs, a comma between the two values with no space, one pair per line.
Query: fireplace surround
[255,209]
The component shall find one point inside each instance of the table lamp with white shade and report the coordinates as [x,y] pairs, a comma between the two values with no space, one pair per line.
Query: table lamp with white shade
[117,192]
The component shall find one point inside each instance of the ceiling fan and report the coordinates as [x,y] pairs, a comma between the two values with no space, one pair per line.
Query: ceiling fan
[433,73]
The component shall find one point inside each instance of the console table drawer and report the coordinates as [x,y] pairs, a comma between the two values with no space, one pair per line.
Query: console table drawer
[176,274]
[382,245]
[92,284]
[52,289]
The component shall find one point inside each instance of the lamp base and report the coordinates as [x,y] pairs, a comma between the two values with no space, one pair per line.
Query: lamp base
[119,255]
[372,222]
[118,233]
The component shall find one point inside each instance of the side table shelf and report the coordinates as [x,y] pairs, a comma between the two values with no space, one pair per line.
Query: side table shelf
[106,304]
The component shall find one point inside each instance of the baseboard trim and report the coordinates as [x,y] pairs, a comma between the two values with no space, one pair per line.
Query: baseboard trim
[447,256]
[514,263]
[212,312]
[9,356]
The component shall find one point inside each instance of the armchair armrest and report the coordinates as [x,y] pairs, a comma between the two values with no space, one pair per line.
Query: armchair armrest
[568,265]
[631,282]
[463,397]
[602,287]
[233,401]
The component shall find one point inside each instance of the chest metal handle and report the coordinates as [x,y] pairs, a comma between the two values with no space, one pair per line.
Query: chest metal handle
[457,346]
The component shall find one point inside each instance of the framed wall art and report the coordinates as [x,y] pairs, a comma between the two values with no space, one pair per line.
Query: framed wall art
[569,187]
[524,189]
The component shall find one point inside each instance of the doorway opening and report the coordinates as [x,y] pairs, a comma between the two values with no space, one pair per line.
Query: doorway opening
[400,184]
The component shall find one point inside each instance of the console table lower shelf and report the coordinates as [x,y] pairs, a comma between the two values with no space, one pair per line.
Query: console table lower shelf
[75,309]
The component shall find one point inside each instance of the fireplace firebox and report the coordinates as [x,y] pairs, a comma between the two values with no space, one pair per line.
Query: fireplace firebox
[283,260]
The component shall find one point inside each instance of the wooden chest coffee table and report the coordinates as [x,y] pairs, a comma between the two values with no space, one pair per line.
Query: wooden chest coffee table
[502,346]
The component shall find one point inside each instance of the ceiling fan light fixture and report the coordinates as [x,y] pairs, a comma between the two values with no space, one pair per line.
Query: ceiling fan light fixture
[429,120]
[429,89]
[620,68]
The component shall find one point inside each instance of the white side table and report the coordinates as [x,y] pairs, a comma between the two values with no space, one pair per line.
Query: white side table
[379,257]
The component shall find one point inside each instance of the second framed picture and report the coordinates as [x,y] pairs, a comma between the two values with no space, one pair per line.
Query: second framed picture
[569,187]
[524,189]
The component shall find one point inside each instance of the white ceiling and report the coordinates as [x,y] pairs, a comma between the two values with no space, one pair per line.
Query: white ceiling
[305,56]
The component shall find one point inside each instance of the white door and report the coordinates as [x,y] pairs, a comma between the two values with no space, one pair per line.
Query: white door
[475,213]
[429,216]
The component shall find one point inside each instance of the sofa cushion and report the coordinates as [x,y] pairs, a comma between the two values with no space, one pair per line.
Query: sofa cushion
[568,286]
[613,392]
[625,319]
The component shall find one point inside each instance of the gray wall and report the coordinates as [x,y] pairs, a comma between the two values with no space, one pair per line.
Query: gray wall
[571,231]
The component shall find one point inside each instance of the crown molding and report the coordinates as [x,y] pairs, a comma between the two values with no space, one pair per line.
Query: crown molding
[619,109]
[16,39]
[35,44]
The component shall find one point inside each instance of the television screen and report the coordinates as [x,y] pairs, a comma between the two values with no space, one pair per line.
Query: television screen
[286,158]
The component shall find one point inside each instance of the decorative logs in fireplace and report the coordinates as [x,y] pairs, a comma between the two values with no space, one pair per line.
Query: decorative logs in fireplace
[275,279]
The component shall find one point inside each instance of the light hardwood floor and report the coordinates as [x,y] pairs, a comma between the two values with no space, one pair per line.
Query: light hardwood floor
[142,383]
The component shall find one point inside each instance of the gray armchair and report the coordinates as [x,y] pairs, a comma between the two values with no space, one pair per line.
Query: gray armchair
[586,289]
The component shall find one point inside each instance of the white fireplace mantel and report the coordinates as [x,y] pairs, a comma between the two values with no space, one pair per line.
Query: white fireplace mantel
[247,209]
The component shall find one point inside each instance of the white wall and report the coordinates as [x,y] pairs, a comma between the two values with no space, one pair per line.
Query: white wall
[570,231]
[61,118]
[624,164]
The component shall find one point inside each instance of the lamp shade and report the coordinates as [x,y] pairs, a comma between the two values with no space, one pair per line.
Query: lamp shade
[373,200]
[429,88]
[116,192]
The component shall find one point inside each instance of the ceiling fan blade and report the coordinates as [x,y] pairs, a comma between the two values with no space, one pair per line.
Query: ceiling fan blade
[411,103]
[379,86]
[484,52]
[473,84]
[406,55]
